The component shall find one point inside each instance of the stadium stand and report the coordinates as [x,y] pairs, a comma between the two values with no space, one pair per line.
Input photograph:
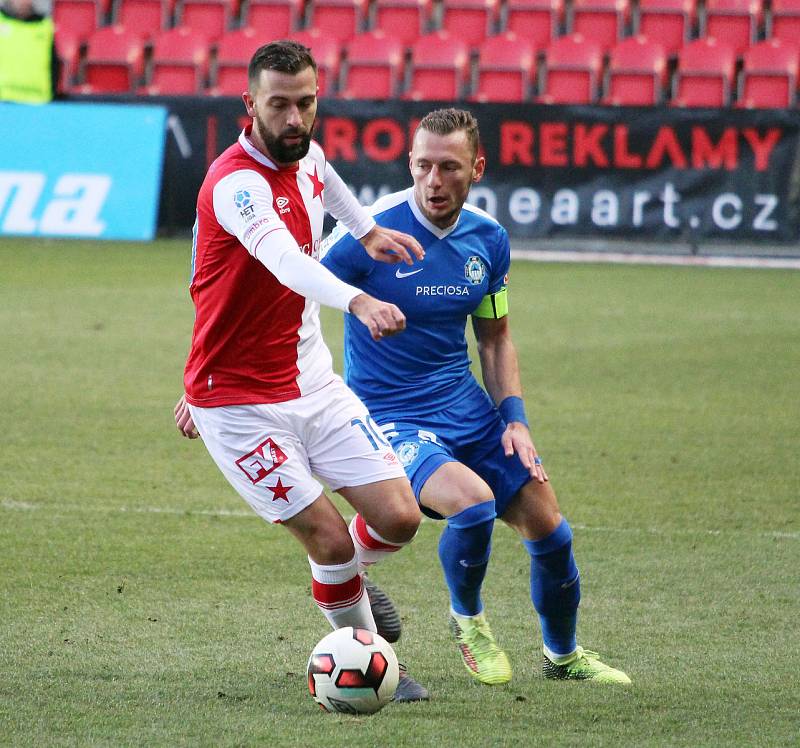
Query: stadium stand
[637,72]
[506,69]
[406,20]
[602,21]
[81,17]
[735,22]
[149,15]
[551,51]
[68,48]
[705,74]
[114,61]
[471,21]
[572,71]
[328,54]
[208,17]
[229,71]
[439,68]
[784,20]
[374,66]
[281,17]
[179,64]
[540,21]
[770,72]
[341,19]
[671,22]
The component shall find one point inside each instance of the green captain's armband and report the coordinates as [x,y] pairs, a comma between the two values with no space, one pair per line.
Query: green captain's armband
[493,305]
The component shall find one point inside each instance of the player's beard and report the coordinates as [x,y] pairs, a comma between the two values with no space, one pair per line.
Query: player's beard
[282,152]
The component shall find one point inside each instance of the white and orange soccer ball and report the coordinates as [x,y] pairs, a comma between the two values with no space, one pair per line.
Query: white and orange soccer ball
[354,671]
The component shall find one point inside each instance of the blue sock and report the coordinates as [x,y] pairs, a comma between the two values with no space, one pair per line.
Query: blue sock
[555,588]
[464,549]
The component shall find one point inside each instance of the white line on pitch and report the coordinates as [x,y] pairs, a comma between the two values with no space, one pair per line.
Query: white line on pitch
[12,505]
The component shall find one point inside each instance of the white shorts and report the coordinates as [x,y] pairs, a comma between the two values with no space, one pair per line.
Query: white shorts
[269,452]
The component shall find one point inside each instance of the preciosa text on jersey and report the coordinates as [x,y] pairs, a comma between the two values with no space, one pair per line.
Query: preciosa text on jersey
[442,291]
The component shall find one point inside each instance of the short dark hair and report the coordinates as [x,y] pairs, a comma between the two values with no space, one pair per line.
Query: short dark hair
[445,121]
[285,56]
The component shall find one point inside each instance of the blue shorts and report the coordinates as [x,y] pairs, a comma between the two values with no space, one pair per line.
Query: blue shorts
[469,433]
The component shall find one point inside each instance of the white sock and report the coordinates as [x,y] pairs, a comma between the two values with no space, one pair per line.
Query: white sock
[370,546]
[339,593]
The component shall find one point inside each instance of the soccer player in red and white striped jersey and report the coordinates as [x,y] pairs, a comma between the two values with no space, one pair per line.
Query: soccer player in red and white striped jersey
[259,382]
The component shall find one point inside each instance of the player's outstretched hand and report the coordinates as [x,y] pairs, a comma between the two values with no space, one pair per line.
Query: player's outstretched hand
[183,419]
[388,245]
[517,438]
[382,319]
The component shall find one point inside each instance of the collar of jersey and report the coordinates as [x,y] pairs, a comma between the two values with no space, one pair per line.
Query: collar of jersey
[255,154]
[435,230]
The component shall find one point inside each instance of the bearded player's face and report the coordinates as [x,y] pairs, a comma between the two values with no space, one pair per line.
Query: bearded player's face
[283,107]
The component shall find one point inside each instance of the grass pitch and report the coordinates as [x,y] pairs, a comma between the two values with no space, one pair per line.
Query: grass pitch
[141,603]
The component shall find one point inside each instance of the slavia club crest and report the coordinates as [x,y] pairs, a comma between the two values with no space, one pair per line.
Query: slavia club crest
[474,270]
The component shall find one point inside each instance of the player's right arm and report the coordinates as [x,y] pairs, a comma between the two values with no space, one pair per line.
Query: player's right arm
[266,237]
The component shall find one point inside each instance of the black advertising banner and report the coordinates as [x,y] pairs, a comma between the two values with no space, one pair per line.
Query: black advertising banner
[654,173]
[648,173]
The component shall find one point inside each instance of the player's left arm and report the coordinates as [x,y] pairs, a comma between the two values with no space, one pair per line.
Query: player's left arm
[500,368]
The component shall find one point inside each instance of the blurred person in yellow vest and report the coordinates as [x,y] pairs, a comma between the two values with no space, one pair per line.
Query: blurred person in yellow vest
[28,63]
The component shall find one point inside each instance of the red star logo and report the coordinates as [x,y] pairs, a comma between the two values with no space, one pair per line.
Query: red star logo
[318,184]
[280,491]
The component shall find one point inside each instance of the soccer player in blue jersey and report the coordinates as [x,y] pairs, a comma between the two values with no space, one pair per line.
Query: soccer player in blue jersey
[467,451]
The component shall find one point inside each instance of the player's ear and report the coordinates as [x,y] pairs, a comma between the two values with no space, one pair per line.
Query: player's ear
[478,169]
[248,104]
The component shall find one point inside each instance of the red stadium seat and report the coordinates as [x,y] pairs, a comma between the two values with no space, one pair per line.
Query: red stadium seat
[374,66]
[705,74]
[471,21]
[81,17]
[406,20]
[572,69]
[144,16]
[637,72]
[602,21]
[537,20]
[785,20]
[506,69]
[735,22]
[68,48]
[179,63]
[234,51]
[439,67]
[670,22]
[276,19]
[114,60]
[770,74]
[328,54]
[341,19]
[208,17]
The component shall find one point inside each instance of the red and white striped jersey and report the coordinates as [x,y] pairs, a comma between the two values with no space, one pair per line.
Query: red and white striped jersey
[255,340]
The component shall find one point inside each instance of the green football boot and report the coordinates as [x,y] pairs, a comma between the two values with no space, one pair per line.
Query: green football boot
[582,665]
[484,660]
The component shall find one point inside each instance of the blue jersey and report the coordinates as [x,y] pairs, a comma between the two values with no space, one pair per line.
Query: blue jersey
[426,367]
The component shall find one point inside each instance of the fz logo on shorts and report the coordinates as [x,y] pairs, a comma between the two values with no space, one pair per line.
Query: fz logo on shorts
[259,463]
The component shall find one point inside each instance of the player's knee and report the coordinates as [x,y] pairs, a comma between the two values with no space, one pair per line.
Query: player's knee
[329,548]
[403,524]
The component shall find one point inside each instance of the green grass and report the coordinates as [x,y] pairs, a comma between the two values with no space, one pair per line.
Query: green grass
[142,604]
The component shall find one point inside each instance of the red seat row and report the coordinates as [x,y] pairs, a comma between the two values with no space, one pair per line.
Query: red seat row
[571,71]
[673,22]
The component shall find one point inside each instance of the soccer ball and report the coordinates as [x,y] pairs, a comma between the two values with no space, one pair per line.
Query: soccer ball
[353,671]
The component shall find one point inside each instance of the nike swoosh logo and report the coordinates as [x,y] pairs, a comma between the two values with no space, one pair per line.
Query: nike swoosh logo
[567,585]
[400,274]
